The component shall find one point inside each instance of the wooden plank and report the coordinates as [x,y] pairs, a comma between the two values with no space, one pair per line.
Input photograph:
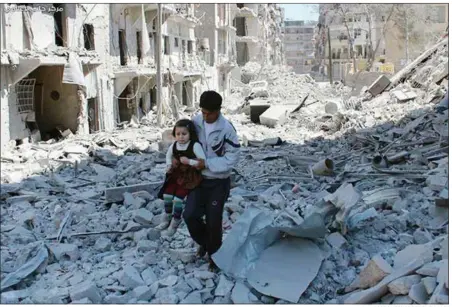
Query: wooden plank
[116,194]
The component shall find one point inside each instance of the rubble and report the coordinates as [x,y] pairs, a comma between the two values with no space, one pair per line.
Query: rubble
[367,226]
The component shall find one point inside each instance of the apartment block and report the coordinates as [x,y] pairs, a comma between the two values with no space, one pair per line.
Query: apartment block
[299,45]
[394,43]
[86,68]
[216,44]
[53,61]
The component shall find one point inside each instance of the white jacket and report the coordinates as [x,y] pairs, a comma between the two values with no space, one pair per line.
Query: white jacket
[222,149]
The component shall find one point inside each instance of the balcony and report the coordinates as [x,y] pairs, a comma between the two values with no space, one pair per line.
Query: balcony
[224,25]
[245,12]
[247,39]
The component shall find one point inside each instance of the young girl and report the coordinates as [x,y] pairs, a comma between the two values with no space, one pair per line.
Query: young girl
[182,175]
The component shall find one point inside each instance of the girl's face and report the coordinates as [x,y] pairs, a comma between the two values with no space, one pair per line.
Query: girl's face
[182,135]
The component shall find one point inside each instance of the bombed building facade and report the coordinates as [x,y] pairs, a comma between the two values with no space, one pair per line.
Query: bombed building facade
[84,68]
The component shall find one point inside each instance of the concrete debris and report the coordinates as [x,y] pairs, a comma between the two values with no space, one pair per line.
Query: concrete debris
[403,285]
[366,225]
[374,272]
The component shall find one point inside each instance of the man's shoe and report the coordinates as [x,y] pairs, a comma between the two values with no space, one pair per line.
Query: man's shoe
[201,252]
[212,266]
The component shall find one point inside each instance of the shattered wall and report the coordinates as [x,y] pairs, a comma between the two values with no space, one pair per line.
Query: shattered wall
[60,112]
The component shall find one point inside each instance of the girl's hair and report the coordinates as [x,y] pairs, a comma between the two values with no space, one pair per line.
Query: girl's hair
[186,123]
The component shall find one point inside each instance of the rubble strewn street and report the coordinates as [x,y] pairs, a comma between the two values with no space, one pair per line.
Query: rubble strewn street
[78,215]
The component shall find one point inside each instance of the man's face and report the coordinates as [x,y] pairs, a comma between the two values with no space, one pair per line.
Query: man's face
[210,116]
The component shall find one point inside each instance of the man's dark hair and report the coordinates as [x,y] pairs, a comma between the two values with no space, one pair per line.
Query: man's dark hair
[186,123]
[211,101]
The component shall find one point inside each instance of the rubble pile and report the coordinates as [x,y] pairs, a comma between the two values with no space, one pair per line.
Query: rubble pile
[362,203]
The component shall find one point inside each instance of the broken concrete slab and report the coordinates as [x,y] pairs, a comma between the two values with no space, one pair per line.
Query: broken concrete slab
[103,173]
[376,269]
[116,194]
[418,293]
[241,294]
[144,293]
[86,290]
[257,108]
[379,85]
[273,277]
[275,115]
[130,277]
[62,250]
[336,240]
[403,285]
[224,286]
[429,284]
[430,269]
[412,252]
[437,182]
[403,96]
[402,300]
[143,216]
[376,292]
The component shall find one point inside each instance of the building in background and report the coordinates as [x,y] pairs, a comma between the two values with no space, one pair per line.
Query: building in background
[86,68]
[53,58]
[384,45]
[299,45]
[259,34]
[216,43]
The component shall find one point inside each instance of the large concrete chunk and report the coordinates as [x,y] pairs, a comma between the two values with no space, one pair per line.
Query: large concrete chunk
[116,194]
[86,290]
[61,250]
[275,115]
[418,293]
[241,294]
[376,270]
[412,252]
[143,216]
[379,85]
[224,286]
[257,108]
[403,285]
[436,182]
[404,96]
[130,277]
[375,293]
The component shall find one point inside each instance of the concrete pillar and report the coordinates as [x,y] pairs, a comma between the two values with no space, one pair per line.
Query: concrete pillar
[82,118]
[4,114]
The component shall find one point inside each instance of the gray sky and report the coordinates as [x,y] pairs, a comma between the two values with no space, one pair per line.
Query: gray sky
[300,11]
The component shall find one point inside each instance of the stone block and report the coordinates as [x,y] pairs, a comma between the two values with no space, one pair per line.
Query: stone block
[437,182]
[275,115]
[149,276]
[430,269]
[336,240]
[377,268]
[192,298]
[61,250]
[404,96]
[224,286]
[130,277]
[379,85]
[429,284]
[86,290]
[402,286]
[257,108]
[418,293]
[402,300]
[144,293]
[143,216]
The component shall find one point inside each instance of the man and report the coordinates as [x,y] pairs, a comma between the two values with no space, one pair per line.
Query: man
[220,143]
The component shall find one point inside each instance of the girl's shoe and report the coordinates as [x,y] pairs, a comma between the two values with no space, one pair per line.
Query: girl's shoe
[172,227]
[166,219]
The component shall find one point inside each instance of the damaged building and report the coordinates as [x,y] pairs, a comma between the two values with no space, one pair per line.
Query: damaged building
[133,51]
[51,60]
[258,33]
[75,68]
[216,43]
